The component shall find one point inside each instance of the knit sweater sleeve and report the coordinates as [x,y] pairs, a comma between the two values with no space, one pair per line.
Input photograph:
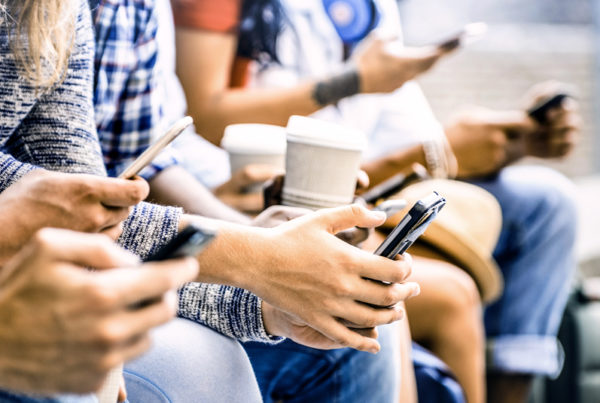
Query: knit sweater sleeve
[55,130]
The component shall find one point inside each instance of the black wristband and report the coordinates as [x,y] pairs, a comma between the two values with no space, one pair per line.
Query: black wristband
[335,88]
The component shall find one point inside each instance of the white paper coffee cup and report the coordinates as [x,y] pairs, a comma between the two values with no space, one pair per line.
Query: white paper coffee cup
[250,143]
[322,162]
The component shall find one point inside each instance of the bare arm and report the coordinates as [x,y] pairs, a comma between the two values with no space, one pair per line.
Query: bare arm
[214,105]
[206,80]
[383,168]
[175,186]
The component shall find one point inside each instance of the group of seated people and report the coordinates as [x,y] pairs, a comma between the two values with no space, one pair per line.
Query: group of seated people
[276,308]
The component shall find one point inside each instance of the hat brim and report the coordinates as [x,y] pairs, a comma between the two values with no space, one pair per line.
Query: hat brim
[468,256]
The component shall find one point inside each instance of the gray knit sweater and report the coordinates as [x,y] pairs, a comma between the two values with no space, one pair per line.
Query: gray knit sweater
[55,130]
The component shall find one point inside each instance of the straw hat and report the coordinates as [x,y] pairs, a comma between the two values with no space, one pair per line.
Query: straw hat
[466,230]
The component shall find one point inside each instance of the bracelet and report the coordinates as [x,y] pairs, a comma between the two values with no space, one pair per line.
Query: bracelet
[439,158]
[433,159]
[334,89]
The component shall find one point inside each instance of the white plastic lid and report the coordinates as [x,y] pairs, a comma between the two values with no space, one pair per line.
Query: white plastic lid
[301,129]
[254,138]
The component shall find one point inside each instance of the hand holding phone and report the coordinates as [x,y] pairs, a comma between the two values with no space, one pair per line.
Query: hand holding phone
[152,151]
[411,226]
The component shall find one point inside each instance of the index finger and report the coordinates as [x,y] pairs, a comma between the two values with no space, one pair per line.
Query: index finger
[149,281]
[115,192]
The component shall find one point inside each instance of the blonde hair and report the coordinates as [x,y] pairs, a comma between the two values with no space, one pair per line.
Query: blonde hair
[43,37]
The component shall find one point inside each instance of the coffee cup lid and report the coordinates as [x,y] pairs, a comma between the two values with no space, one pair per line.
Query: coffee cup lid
[317,132]
[254,138]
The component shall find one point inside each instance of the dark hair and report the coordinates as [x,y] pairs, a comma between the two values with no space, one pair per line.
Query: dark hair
[261,23]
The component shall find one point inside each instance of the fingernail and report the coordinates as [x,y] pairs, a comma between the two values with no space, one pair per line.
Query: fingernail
[380,215]
[416,290]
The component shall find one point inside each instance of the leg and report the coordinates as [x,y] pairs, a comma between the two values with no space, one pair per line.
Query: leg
[191,363]
[293,373]
[447,318]
[536,256]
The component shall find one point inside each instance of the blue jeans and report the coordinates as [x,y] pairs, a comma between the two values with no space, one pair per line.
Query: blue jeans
[536,255]
[191,363]
[8,397]
[290,372]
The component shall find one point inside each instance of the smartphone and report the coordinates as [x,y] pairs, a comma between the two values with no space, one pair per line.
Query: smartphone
[152,151]
[395,184]
[189,242]
[539,111]
[412,226]
[467,35]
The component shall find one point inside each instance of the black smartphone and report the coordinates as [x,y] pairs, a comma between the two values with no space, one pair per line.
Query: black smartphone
[189,242]
[412,226]
[539,111]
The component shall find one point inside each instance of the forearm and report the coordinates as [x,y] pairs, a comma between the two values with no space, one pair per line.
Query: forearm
[175,186]
[269,106]
[387,166]
[234,255]
[218,307]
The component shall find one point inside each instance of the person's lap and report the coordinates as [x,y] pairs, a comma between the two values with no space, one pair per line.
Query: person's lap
[191,363]
[294,373]
[536,255]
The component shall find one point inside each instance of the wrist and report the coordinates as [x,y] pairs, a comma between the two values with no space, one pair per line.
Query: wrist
[336,88]
[270,322]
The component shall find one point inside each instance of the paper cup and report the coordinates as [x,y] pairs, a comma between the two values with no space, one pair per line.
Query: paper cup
[322,162]
[254,144]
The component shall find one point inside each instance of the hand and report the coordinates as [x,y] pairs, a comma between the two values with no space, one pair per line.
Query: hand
[65,327]
[305,271]
[73,201]
[383,70]
[279,323]
[276,215]
[235,191]
[556,137]
[484,141]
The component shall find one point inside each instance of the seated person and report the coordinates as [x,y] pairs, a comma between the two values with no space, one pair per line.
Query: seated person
[54,121]
[536,243]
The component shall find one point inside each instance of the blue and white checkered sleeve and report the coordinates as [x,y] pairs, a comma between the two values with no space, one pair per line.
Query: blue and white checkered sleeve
[166,159]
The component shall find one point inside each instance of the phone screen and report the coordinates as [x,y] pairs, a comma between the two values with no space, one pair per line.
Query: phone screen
[412,226]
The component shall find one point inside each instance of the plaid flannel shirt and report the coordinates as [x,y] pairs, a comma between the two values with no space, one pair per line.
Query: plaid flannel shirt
[127,104]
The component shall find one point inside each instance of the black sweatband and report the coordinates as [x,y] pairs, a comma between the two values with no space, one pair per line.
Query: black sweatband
[335,88]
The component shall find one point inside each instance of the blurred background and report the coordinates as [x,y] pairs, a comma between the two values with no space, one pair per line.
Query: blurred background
[528,42]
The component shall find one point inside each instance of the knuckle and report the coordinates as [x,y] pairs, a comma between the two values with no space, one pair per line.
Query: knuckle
[110,334]
[356,210]
[102,297]
[390,297]
[343,289]
[43,240]
[370,321]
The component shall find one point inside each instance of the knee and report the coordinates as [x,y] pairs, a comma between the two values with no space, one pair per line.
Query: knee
[189,360]
[557,202]
[456,292]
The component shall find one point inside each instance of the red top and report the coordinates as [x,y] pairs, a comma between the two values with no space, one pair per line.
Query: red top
[216,16]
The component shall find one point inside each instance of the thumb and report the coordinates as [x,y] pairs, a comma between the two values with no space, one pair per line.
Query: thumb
[341,218]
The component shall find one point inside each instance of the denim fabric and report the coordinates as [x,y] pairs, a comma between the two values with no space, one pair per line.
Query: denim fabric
[8,397]
[191,363]
[536,255]
[290,372]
